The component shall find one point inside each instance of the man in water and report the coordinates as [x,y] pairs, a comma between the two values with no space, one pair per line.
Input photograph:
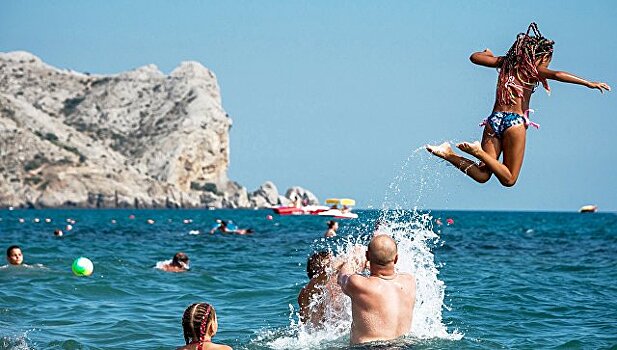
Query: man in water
[321,292]
[14,255]
[179,263]
[382,303]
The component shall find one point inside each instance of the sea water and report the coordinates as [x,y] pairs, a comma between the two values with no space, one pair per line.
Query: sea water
[490,280]
[484,280]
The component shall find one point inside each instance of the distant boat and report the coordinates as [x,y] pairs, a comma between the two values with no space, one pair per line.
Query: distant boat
[342,213]
[588,209]
[331,209]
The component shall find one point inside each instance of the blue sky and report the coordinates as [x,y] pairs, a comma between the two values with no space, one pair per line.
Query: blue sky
[335,96]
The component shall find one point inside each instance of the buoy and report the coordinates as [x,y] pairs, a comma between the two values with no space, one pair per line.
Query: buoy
[48,220]
[69,227]
[37,220]
[21,220]
[450,221]
[82,266]
[269,217]
[113,221]
[131,216]
[150,221]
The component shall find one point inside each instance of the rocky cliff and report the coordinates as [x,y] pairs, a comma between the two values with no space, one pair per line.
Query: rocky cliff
[135,139]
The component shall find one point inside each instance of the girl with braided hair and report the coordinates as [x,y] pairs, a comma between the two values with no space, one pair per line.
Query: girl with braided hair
[199,325]
[520,71]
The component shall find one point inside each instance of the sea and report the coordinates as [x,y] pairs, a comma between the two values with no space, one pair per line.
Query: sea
[485,280]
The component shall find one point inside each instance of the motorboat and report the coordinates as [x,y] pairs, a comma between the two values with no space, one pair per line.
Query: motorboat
[303,210]
[588,209]
[334,211]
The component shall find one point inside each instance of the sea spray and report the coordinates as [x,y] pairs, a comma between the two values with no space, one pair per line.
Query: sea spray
[413,232]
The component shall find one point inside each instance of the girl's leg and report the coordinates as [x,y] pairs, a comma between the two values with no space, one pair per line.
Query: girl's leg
[491,146]
[513,143]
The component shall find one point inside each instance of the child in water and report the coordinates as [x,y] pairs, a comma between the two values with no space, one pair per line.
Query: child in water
[523,67]
[199,325]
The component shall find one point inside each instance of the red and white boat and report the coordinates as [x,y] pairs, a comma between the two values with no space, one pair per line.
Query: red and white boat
[331,210]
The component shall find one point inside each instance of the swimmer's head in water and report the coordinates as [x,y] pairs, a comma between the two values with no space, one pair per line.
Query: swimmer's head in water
[199,321]
[14,255]
[332,224]
[520,65]
[316,263]
[382,250]
[181,260]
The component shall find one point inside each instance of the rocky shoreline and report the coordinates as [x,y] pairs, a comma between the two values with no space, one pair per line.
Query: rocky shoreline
[138,139]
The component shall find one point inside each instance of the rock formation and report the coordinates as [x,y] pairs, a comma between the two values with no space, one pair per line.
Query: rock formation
[136,139]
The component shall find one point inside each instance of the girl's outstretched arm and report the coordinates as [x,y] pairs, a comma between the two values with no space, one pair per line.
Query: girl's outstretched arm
[486,58]
[570,78]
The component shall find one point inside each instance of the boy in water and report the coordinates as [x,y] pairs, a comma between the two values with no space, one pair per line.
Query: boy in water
[521,70]
[14,255]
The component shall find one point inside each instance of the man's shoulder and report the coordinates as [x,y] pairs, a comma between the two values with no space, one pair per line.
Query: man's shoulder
[407,277]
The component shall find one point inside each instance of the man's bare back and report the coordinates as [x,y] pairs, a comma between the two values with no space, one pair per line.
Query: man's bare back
[382,308]
[382,303]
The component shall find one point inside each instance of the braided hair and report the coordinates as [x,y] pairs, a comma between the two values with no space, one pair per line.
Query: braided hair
[519,65]
[195,322]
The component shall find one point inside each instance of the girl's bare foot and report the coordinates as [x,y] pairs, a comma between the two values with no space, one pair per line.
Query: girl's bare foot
[442,151]
[473,148]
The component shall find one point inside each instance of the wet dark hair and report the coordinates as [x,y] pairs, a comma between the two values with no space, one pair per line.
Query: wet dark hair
[331,223]
[8,251]
[519,65]
[178,258]
[316,263]
[195,322]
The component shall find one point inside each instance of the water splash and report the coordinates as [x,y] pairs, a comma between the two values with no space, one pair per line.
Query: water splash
[402,218]
[17,342]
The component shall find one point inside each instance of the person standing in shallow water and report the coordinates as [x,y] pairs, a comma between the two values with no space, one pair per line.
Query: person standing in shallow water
[382,303]
[199,326]
[523,67]
[332,227]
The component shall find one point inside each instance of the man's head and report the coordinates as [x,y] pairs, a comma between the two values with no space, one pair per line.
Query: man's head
[181,260]
[332,224]
[382,251]
[316,264]
[14,255]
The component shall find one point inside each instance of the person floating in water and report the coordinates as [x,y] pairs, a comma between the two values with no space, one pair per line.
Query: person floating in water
[520,71]
[381,303]
[229,227]
[179,263]
[199,325]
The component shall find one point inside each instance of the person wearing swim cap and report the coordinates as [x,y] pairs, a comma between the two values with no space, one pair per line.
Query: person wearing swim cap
[179,263]
[381,303]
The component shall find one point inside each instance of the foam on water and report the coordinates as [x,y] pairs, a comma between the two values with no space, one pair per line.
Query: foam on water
[413,231]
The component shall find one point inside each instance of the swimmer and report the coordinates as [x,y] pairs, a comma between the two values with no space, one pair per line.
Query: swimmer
[381,303]
[199,326]
[332,227]
[14,255]
[224,227]
[58,233]
[320,293]
[523,67]
[179,263]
